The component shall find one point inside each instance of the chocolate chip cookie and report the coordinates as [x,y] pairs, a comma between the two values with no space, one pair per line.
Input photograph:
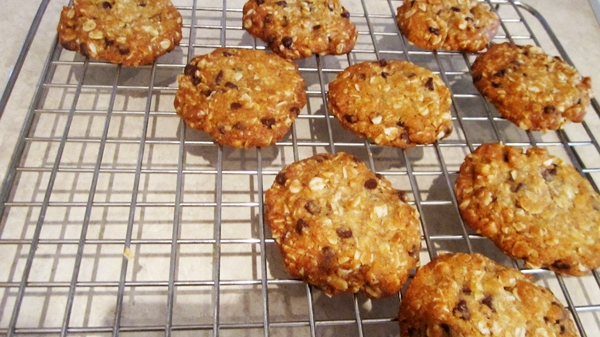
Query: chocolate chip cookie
[461,25]
[242,98]
[395,103]
[341,227]
[129,32]
[533,206]
[471,295]
[297,29]
[534,90]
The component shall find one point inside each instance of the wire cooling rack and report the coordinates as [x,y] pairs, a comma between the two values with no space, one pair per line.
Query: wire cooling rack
[116,219]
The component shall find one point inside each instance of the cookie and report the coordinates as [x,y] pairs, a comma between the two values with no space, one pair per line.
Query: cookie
[460,25]
[128,32]
[395,103]
[533,206]
[534,90]
[471,295]
[341,227]
[241,98]
[297,29]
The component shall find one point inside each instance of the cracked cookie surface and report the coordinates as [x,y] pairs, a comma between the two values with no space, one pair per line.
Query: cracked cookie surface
[128,32]
[297,29]
[532,206]
[395,103]
[534,90]
[461,25]
[341,227]
[241,98]
[471,295]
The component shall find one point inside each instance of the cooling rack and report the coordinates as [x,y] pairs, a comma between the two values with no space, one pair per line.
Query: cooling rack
[116,219]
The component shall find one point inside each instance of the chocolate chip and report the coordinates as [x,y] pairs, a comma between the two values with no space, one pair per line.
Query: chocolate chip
[268,19]
[505,157]
[362,76]
[549,173]
[270,39]
[317,27]
[285,22]
[445,327]
[351,119]
[328,257]
[106,5]
[280,178]
[346,15]
[496,85]
[196,80]
[331,8]
[562,329]
[260,2]
[560,265]
[384,74]
[414,250]
[379,176]
[83,50]
[300,225]
[488,302]
[189,70]
[466,290]
[206,92]
[235,105]
[71,45]
[287,42]
[281,3]
[344,233]
[231,85]
[383,62]
[227,54]
[371,184]
[402,195]
[400,123]
[219,77]
[222,129]
[312,207]
[477,78]
[429,84]
[500,73]
[295,110]
[239,126]
[123,50]
[143,3]
[549,109]
[405,137]
[434,31]
[268,122]
[462,310]
[455,9]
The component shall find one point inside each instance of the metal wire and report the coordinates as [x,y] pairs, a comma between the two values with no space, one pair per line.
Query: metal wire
[116,219]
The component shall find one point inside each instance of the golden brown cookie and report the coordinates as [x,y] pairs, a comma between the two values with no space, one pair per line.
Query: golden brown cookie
[461,25]
[534,90]
[341,227]
[130,32]
[471,295]
[394,103]
[298,29]
[532,206]
[242,98]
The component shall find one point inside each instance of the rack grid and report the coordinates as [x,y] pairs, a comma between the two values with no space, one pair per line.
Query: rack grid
[116,219]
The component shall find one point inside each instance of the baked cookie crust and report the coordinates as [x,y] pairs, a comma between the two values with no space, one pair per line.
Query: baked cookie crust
[128,32]
[394,103]
[341,227]
[534,90]
[471,295]
[297,29]
[241,98]
[460,25]
[533,206]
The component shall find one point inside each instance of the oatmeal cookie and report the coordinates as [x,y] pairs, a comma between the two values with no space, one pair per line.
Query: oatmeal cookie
[532,206]
[461,25]
[534,90]
[471,295]
[341,227]
[297,29]
[129,32]
[394,103]
[242,98]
